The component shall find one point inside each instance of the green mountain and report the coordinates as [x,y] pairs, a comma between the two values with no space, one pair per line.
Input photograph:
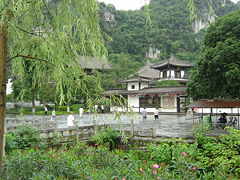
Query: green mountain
[169,33]
[131,39]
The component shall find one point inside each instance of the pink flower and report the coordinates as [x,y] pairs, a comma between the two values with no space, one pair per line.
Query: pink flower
[184,154]
[156,166]
[123,178]
[194,168]
[140,170]
[154,171]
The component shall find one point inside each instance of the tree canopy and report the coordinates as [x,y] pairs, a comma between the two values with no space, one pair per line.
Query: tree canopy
[218,70]
[48,33]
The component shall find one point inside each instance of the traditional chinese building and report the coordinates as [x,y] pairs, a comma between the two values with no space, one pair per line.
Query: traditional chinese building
[141,93]
[89,63]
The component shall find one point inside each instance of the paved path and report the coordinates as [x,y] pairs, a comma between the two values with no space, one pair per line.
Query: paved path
[167,125]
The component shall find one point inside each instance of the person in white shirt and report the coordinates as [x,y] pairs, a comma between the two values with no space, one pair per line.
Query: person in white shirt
[144,114]
[53,114]
[102,108]
[70,120]
[96,107]
[45,110]
[156,112]
[80,112]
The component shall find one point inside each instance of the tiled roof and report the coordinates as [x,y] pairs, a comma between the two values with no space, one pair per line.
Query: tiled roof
[136,79]
[118,92]
[148,72]
[151,90]
[220,103]
[162,90]
[172,61]
[89,62]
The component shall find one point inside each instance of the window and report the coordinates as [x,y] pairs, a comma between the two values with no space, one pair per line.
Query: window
[133,86]
[150,101]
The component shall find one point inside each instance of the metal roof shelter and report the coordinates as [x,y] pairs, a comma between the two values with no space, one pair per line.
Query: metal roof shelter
[217,108]
[219,103]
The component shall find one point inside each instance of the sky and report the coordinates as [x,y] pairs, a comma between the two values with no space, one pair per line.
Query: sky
[130,4]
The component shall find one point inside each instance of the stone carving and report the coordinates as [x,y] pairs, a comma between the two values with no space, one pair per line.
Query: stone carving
[168,102]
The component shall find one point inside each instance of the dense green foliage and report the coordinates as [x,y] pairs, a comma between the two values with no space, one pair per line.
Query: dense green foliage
[43,39]
[129,36]
[218,71]
[106,138]
[169,31]
[207,158]
[165,83]
[25,136]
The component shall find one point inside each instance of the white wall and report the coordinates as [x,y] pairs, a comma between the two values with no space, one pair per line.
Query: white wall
[133,101]
[143,85]
[172,74]
[218,110]
[129,86]
[9,87]
[161,74]
[168,72]
[182,74]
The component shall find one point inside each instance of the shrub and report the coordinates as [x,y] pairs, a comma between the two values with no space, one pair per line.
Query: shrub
[76,107]
[106,138]
[25,136]
[62,108]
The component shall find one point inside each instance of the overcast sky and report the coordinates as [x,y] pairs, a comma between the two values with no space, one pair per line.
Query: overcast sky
[130,4]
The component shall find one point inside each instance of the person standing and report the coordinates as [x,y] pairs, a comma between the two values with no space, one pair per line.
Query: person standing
[144,114]
[80,112]
[102,108]
[96,107]
[45,110]
[156,112]
[70,120]
[53,115]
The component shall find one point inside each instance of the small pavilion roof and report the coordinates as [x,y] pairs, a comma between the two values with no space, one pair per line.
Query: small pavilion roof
[89,62]
[219,103]
[172,61]
[136,79]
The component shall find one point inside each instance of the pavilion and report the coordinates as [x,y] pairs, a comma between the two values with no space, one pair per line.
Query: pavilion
[141,93]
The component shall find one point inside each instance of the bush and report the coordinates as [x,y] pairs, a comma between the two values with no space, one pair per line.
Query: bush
[76,107]
[25,136]
[224,152]
[106,138]
[62,108]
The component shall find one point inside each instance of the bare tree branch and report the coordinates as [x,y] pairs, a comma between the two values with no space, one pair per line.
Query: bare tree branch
[28,32]
[8,60]
[30,57]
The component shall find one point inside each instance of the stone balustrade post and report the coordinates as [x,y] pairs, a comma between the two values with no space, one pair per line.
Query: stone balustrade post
[132,127]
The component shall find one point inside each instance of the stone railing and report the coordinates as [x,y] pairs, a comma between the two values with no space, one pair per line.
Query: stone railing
[75,132]
[49,129]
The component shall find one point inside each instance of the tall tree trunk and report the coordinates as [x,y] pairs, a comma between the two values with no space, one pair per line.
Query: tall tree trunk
[33,106]
[3,63]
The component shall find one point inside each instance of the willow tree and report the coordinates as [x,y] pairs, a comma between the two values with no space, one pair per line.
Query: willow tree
[49,33]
